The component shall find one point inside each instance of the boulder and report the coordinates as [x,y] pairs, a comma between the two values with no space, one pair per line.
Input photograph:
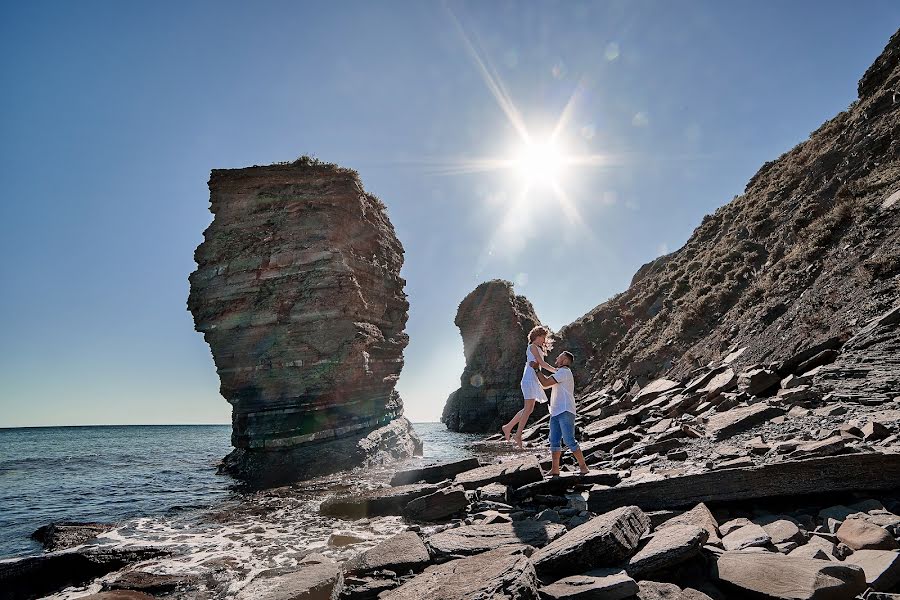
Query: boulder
[603,541]
[434,473]
[298,293]
[669,546]
[474,539]
[67,534]
[859,534]
[438,505]
[655,388]
[375,503]
[339,539]
[723,382]
[494,575]
[494,323]
[748,536]
[882,567]
[599,584]
[726,424]
[758,381]
[315,578]
[513,473]
[781,530]
[699,516]
[789,577]
[400,554]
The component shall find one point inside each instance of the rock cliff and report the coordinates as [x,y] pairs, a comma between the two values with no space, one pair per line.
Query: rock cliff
[494,323]
[298,294]
[793,267]
[807,254]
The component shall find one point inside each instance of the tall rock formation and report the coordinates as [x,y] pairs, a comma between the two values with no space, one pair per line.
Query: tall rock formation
[494,323]
[807,254]
[298,294]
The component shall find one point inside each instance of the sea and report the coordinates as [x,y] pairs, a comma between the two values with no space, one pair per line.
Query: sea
[158,486]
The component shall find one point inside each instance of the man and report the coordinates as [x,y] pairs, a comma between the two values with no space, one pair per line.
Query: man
[562,410]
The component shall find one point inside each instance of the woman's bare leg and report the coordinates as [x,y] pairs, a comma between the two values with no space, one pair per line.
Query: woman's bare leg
[507,429]
[523,420]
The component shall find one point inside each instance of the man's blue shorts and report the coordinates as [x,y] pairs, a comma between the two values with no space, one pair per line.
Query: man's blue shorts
[562,429]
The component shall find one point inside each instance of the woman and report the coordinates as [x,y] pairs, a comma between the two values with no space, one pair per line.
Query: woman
[532,390]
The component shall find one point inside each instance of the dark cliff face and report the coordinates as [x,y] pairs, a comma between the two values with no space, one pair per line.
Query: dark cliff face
[298,294]
[807,254]
[494,323]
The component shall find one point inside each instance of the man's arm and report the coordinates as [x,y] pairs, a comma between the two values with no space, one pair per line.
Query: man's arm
[547,382]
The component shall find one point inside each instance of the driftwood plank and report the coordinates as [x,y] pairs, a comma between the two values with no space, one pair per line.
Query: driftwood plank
[870,471]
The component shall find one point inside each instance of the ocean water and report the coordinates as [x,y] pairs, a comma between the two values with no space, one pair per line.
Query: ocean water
[158,480]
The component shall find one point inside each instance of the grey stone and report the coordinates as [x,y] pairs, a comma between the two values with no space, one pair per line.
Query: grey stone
[599,584]
[494,575]
[374,503]
[434,473]
[438,505]
[882,567]
[400,553]
[668,546]
[474,539]
[602,541]
[513,473]
[315,578]
[789,577]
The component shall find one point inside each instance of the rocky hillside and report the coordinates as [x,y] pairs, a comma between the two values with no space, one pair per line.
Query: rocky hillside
[806,255]
[298,294]
[494,323]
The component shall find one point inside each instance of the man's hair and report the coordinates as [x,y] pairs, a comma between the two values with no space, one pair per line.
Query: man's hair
[570,355]
[536,331]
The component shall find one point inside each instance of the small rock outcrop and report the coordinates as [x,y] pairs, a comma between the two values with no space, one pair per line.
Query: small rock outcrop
[298,294]
[494,323]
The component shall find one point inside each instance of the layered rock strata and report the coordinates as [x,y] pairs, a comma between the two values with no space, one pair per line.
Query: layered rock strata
[298,294]
[494,323]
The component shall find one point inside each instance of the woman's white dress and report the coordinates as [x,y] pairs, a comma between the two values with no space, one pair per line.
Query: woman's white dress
[531,386]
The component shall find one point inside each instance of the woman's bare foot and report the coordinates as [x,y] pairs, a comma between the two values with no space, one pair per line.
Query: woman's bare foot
[583,472]
[506,432]
[519,439]
[553,474]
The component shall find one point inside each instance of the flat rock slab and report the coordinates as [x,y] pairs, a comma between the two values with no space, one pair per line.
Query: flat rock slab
[434,473]
[726,424]
[668,547]
[790,577]
[38,576]
[556,486]
[871,471]
[603,541]
[375,503]
[699,516]
[599,584]
[438,505]
[67,534]
[749,535]
[474,539]
[315,578]
[493,575]
[513,473]
[655,590]
[882,567]
[401,553]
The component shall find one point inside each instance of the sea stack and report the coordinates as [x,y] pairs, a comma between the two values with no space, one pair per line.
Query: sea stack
[298,294]
[494,323]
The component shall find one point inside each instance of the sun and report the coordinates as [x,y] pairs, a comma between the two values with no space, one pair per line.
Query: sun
[540,162]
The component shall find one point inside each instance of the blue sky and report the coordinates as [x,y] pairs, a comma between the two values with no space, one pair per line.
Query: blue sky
[112,115]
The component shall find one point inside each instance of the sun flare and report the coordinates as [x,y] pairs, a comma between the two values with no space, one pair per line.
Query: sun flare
[540,162]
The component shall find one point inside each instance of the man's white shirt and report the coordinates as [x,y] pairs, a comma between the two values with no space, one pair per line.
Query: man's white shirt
[562,395]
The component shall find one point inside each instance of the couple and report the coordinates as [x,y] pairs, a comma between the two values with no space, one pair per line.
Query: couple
[562,398]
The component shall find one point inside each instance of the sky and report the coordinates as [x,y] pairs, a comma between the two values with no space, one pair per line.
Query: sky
[112,115]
